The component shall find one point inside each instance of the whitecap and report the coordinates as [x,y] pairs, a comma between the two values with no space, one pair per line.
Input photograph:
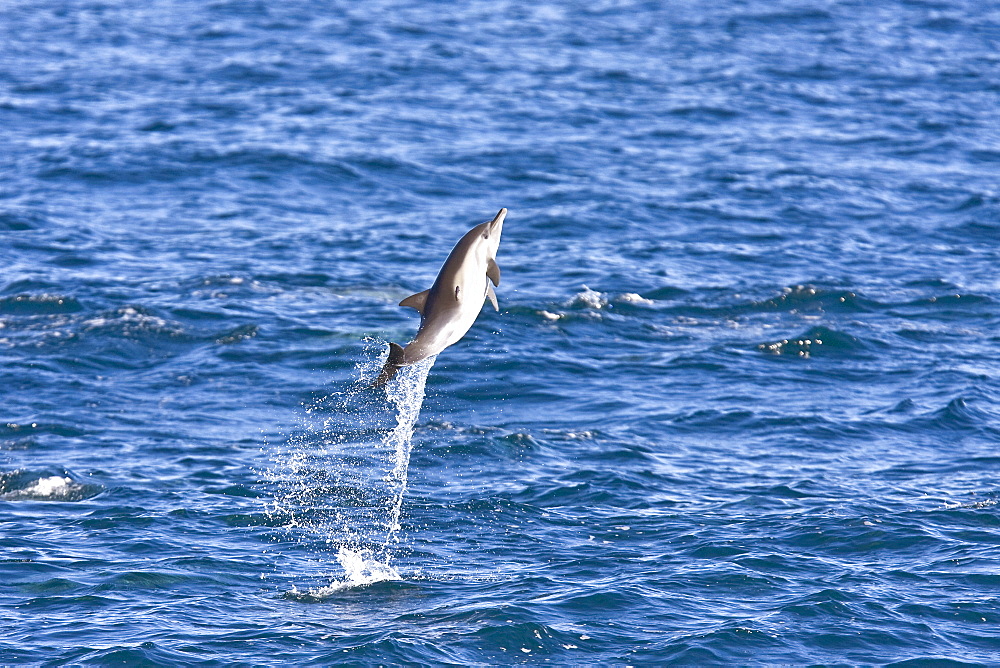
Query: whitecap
[634,298]
[589,299]
[51,488]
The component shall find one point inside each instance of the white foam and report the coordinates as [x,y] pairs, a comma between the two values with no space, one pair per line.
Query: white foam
[589,298]
[51,486]
[633,298]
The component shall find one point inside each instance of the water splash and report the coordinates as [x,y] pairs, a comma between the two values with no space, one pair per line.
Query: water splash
[340,480]
[406,392]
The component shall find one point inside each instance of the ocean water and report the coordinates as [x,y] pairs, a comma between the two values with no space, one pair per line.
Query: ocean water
[739,405]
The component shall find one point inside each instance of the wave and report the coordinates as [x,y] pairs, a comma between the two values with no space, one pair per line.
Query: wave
[21,485]
[818,341]
[809,299]
[39,304]
[961,414]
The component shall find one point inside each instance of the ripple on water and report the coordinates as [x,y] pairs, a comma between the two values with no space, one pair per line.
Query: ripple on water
[738,407]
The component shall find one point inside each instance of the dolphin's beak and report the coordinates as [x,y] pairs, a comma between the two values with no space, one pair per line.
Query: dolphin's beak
[496,225]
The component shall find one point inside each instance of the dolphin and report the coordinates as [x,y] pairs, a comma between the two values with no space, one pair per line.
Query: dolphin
[448,309]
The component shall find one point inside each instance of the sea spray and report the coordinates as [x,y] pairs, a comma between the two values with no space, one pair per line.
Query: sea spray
[406,393]
[338,483]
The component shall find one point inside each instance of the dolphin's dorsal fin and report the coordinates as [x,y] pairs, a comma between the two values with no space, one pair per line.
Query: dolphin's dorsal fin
[493,271]
[493,296]
[416,301]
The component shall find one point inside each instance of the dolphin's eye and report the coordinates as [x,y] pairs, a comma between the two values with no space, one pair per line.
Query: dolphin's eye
[486,235]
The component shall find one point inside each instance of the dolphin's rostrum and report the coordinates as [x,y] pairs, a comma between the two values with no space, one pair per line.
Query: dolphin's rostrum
[448,309]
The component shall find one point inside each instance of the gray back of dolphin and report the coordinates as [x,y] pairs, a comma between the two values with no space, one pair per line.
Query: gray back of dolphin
[450,306]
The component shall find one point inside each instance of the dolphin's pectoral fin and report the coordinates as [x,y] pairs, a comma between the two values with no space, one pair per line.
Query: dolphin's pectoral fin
[493,296]
[493,271]
[416,301]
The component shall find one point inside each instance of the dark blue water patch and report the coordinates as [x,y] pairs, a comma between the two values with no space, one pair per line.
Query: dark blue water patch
[28,288]
[932,335]
[20,221]
[38,428]
[980,231]
[266,162]
[945,306]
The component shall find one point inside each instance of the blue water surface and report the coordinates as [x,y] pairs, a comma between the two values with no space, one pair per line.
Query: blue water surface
[739,405]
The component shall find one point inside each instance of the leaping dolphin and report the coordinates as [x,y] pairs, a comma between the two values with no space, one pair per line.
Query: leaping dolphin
[448,309]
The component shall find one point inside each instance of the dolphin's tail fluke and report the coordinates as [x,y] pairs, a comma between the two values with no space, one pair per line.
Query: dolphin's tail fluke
[391,365]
